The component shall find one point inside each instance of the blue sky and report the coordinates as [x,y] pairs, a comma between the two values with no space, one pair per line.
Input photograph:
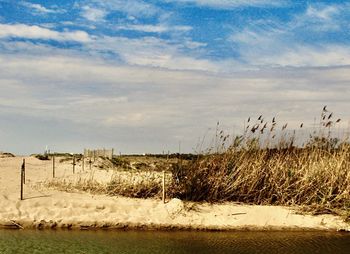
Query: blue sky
[142,76]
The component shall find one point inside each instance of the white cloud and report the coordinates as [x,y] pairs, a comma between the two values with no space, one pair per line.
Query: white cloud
[276,43]
[328,55]
[134,8]
[230,4]
[153,52]
[38,8]
[162,90]
[276,47]
[155,28]
[124,105]
[322,12]
[321,18]
[145,51]
[37,32]
[258,37]
[93,14]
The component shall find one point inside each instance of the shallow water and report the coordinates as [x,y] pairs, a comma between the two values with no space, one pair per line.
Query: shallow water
[14,241]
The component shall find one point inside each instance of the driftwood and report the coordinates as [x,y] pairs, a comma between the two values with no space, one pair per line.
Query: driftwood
[16,224]
[11,225]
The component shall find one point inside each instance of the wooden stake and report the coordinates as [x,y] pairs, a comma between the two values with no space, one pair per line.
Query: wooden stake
[82,162]
[73,164]
[22,178]
[53,166]
[163,187]
[24,171]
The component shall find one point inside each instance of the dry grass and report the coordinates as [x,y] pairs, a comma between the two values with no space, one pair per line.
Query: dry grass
[90,185]
[147,188]
[136,184]
[265,165]
[269,176]
[257,169]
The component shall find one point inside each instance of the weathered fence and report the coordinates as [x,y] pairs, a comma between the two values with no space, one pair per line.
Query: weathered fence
[105,153]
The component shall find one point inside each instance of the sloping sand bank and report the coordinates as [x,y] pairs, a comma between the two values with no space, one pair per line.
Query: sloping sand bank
[55,209]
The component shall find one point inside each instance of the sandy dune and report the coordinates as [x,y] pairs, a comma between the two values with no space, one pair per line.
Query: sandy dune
[45,208]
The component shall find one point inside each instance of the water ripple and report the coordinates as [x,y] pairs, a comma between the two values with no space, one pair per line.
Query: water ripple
[171,242]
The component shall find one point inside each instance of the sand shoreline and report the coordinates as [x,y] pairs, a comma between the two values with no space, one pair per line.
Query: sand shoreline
[52,209]
[90,212]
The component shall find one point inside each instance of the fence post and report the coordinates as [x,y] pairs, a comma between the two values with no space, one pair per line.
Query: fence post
[53,166]
[82,162]
[24,171]
[163,185]
[22,177]
[73,164]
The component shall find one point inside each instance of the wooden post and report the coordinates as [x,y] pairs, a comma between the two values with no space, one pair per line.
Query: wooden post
[22,178]
[53,166]
[82,162]
[24,171]
[163,185]
[73,164]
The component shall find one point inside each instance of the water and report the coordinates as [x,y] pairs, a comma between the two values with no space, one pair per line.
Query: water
[13,241]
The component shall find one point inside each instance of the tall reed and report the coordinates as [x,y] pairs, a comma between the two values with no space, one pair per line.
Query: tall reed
[259,168]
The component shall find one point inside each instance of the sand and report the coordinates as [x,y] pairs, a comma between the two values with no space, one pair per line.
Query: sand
[48,208]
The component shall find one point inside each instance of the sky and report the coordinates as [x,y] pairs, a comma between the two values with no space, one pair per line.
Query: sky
[153,76]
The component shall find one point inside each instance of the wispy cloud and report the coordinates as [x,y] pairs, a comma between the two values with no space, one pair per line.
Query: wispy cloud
[143,51]
[37,32]
[264,50]
[229,4]
[307,56]
[128,103]
[302,41]
[135,8]
[93,14]
[114,73]
[155,28]
[322,18]
[322,12]
[154,52]
[37,8]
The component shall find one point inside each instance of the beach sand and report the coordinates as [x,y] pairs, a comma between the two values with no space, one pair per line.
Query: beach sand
[47,208]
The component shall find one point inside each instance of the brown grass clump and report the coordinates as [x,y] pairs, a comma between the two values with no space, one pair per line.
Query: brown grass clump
[135,184]
[141,189]
[89,185]
[128,184]
[269,176]
[256,169]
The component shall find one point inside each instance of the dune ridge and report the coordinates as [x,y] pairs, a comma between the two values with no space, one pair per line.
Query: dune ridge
[49,208]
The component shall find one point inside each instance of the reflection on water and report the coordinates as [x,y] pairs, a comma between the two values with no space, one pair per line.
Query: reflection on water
[155,242]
